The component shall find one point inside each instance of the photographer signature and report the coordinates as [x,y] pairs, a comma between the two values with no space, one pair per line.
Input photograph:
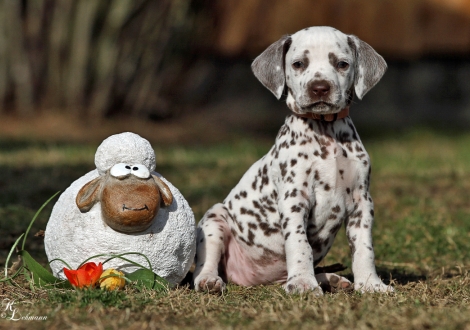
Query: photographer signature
[10,311]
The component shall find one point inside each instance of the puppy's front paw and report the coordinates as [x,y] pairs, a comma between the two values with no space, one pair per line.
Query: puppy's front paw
[372,285]
[210,283]
[303,284]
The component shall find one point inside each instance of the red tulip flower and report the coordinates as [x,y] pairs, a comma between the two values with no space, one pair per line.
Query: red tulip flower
[85,276]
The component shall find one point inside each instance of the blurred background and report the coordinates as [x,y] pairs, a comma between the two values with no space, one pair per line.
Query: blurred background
[68,67]
[177,72]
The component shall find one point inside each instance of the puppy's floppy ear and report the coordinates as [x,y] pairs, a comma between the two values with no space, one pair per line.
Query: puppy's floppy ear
[269,66]
[167,196]
[89,194]
[369,66]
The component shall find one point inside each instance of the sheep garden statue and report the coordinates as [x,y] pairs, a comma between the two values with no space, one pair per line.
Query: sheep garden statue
[123,206]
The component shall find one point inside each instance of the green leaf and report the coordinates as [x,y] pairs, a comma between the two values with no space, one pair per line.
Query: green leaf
[34,219]
[9,255]
[41,276]
[61,260]
[6,279]
[120,256]
[148,279]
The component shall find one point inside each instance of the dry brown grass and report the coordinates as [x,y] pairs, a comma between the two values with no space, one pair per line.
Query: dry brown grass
[438,303]
[420,185]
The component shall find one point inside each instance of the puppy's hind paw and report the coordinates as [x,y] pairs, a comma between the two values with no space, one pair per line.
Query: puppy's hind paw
[334,283]
[209,283]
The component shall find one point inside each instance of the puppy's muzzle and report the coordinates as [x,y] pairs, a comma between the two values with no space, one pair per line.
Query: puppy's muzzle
[319,90]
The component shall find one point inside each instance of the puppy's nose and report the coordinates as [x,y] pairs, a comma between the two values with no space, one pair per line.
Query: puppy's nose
[320,88]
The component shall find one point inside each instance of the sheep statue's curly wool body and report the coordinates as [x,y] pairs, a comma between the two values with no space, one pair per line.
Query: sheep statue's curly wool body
[74,235]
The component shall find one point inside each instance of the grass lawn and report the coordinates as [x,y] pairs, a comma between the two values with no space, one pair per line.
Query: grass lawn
[421,191]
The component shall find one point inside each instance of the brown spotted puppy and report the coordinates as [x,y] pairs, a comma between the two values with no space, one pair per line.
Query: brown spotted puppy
[282,217]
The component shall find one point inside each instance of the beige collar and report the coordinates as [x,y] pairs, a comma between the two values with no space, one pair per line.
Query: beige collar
[329,117]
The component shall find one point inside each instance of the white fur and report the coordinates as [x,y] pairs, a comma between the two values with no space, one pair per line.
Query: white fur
[283,215]
[73,236]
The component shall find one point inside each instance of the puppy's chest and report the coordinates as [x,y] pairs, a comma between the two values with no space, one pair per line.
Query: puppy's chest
[328,153]
[325,160]
[337,166]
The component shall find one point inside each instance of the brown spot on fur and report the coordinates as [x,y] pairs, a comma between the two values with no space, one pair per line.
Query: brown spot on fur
[333,59]
[295,208]
[269,257]
[305,61]
[267,230]
[283,167]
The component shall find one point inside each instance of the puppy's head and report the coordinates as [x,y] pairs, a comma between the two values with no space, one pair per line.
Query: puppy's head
[321,68]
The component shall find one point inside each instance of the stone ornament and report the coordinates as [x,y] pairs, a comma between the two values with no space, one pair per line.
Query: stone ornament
[123,206]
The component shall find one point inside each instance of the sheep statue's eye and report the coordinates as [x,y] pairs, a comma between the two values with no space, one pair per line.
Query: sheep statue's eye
[140,171]
[120,169]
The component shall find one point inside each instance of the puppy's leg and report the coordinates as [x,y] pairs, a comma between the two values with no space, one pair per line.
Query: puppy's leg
[299,254]
[359,233]
[212,233]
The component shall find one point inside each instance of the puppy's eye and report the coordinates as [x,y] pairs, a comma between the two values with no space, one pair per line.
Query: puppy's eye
[298,65]
[140,171]
[120,169]
[342,65]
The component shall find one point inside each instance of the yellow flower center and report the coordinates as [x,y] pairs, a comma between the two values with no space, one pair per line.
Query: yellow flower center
[112,279]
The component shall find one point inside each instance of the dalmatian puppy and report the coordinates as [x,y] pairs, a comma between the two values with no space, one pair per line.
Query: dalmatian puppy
[282,217]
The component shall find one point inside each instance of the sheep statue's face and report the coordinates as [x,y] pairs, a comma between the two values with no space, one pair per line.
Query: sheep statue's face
[130,197]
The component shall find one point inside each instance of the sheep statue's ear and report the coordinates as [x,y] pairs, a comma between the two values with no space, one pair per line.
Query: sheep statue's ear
[167,196]
[89,195]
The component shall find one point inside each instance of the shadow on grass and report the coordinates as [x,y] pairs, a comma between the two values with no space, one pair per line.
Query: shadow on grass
[399,276]
[23,189]
[11,145]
